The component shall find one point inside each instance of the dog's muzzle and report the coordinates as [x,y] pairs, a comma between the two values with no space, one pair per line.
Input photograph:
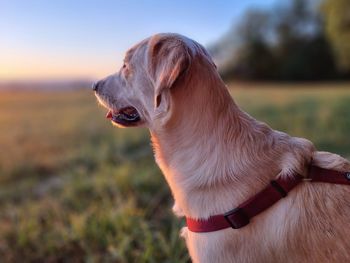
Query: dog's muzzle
[96,85]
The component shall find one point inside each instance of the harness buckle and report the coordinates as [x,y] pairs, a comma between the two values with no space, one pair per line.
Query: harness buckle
[278,188]
[237,218]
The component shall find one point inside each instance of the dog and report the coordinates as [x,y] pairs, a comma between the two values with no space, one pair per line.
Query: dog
[214,157]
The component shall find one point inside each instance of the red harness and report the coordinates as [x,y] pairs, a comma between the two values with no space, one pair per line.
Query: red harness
[240,216]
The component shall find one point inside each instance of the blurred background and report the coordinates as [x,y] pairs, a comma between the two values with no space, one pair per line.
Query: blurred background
[75,189]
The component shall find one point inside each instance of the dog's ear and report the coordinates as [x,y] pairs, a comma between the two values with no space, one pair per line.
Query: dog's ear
[169,60]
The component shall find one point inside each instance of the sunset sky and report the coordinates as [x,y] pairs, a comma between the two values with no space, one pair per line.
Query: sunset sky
[43,39]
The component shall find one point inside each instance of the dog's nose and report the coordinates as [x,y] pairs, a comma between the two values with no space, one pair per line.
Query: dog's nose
[96,85]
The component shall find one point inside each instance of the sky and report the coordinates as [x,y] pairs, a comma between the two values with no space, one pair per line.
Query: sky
[76,39]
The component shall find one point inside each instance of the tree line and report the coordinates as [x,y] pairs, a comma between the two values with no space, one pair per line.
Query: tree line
[301,40]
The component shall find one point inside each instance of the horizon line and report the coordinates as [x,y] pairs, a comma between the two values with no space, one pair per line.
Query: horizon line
[46,80]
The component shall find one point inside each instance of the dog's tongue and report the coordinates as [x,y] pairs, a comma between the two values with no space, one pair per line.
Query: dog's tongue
[109,115]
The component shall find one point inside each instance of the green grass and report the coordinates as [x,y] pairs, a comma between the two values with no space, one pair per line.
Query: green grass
[319,113]
[75,189]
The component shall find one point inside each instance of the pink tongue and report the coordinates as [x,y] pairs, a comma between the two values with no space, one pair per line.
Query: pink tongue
[109,115]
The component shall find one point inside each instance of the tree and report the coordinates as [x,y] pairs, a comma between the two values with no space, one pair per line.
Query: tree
[253,58]
[302,52]
[337,26]
[286,43]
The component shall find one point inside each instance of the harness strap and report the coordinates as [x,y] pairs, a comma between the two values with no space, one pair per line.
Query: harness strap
[317,174]
[276,190]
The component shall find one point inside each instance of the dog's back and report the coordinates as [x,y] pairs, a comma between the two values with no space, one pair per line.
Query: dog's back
[310,225]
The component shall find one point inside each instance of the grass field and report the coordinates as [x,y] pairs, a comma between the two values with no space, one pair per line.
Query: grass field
[75,189]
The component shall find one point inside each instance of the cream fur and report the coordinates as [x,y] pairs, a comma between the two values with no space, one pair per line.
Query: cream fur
[214,156]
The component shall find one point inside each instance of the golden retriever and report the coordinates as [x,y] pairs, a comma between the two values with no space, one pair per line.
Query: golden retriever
[214,156]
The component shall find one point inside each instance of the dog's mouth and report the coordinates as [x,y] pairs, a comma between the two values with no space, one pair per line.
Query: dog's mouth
[127,116]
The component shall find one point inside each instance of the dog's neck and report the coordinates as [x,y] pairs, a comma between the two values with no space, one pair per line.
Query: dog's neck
[208,152]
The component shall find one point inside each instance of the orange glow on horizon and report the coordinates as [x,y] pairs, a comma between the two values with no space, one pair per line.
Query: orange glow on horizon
[37,66]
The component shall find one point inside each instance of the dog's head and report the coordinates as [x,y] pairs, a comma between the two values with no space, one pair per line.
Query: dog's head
[139,94]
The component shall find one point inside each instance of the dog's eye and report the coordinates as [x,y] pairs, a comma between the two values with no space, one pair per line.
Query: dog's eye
[125,70]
